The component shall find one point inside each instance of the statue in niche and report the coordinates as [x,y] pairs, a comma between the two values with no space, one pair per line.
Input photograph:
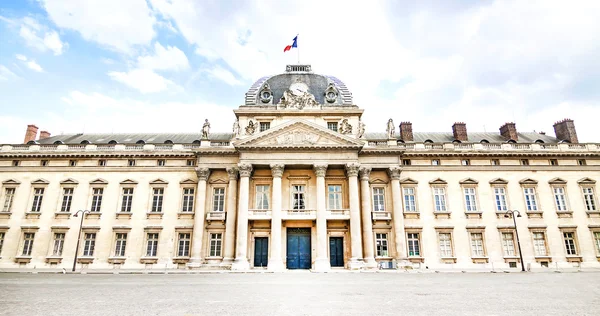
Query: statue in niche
[361,129]
[297,97]
[205,129]
[345,127]
[236,128]
[251,128]
[391,129]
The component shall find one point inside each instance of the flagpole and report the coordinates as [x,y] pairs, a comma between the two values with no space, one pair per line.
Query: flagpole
[298,48]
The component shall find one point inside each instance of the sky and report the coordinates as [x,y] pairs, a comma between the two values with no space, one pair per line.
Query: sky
[114,66]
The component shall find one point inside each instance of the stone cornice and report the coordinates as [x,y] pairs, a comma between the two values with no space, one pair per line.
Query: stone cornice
[70,155]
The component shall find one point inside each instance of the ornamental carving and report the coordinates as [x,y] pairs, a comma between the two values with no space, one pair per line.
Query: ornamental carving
[365,173]
[394,173]
[331,93]
[345,127]
[251,128]
[361,129]
[391,129]
[205,129]
[203,173]
[245,169]
[295,138]
[277,170]
[297,97]
[320,169]
[236,128]
[352,169]
[266,95]
[232,172]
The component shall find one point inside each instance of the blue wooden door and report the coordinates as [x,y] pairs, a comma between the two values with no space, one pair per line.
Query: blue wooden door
[298,248]
[261,251]
[336,251]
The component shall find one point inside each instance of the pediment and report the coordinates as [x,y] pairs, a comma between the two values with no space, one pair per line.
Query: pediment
[129,182]
[438,181]
[40,181]
[468,181]
[299,134]
[528,181]
[11,182]
[99,181]
[159,182]
[188,181]
[499,181]
[378,181]
[408,181]
[69,181]
[218,181]
[586,181]
[557,181]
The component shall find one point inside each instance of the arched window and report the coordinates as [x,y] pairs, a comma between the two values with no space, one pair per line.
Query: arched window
[511,141]
[113,142]
[85,142]
[484,141]
[539,141]
[58,142]
[196,142]
[428,141]
[400,141]
[456,141]
[32,142]
[140,142]
[169,142]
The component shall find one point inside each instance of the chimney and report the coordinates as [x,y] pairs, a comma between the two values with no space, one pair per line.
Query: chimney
[459,129]
[406,133]
[509,130]
[44,135]
[31,133]
[565,130]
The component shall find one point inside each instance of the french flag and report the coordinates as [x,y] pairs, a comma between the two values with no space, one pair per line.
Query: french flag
[294,45]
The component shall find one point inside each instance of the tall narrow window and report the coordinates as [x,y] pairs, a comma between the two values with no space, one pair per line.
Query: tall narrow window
[589,198]
[378,200]
[27,244]
[59,241]
[570,245]
[445,245]
[298,197]
[530,199]
[218,199]
[381,241]
[215,244]
[413,245]
[127,200]
[262,197]
[157,200]
[477,249]
[508,244]
[38,196]
[183,250]
[500,196]
[470,200]
[539,244]
[66,200]
[410,204]
[89,244]
[9,196]
[1,241]
[560,198]
[120,244]
[596,242]
[97,199]
[188,200]
[152,244]
[335,197]
[439,197]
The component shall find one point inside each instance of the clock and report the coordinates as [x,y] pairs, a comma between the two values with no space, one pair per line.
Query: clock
[298,88]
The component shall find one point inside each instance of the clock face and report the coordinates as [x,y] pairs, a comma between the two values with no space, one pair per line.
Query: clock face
[298,88]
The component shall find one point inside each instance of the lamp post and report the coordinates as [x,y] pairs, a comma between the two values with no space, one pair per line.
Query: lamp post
[83,212]
[508,214]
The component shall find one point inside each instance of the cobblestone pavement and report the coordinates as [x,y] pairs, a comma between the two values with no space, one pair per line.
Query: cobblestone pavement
[302,294]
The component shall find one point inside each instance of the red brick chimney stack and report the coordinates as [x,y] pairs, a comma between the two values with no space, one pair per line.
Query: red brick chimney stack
[509,130]
[30,134]
[406,133]
[44,134]
[565,130]
[459,129]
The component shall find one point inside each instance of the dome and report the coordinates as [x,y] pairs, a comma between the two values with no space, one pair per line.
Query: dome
[327,90]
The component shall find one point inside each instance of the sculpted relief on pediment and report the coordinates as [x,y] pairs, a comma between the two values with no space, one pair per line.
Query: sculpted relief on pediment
[298,137]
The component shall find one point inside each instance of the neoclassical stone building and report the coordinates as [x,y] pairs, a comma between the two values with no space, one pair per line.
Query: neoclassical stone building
[299,184]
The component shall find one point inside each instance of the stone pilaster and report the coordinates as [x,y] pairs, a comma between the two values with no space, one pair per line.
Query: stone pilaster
[321,262]
[355,231]
[199,217]
[231,206]
[241,256]
[367,224]
[276,260]
[398,217]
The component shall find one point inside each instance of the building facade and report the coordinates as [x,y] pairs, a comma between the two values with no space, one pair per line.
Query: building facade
[300,184]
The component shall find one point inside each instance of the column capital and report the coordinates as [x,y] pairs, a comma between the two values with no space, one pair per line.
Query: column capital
[277,170]
[232,172]
[245,169]
[352,169]
[320,169]
[203,173]
[395,172]
[365,173]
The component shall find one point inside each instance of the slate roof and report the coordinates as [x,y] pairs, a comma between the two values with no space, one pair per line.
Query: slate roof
[473,137]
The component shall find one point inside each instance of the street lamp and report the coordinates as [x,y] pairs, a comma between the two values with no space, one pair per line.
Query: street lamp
[508,214]
[83,212]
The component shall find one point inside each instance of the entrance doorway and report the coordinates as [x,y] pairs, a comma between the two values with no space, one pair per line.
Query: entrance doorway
[298,248]
[261,251]
[336,251]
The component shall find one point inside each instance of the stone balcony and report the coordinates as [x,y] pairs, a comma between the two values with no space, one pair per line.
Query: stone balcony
[299,215]
[215,216]
[340,214]
[380,215]
[259,214]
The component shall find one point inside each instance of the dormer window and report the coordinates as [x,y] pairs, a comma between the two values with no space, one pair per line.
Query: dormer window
[332,126]
[265,126]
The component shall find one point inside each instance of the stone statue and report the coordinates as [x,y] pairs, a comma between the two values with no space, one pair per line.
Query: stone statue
[251,128]
[236,128]
[345,127]
[205,129]
[297,97]
[361,129]
[391,129]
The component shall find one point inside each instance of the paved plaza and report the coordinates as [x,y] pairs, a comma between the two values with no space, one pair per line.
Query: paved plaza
[302,293]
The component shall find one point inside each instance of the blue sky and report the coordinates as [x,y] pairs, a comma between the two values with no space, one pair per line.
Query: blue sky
[72,66]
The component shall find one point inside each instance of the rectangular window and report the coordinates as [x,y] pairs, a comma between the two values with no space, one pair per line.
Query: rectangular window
[553,162]
[298,197]
[470,200]
[332,126]
[191,162]
[508,244]
[1,241]
[215,244]
[413,245]
[581,162]
[27,244]
[477,249]
[151,244]
[445,245]
[539,244]
[596,242]
[89,244]
[530,199]
[101,162]
[265,126]
[524,162]
[9,196]
[188,200]
[120,244]
[410,204]
[66,200]
[406,162]
[465,162]
[59,241]
[435,162]
[38,196]
[495,162]
[44,163]
[439,197]
[161,162]
[570,245]
[218,199]
[381,241]
[500,196]
[157,200]
[15,163]
[560,198]
[183,250]
[127,200]
[335,197]
[96,199]
[378,200]
[131,163]
[72,163]
[262,197]
[589,198]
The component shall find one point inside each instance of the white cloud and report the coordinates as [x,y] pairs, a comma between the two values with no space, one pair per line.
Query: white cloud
[41,37]
[21,57]
[6,74]
[169,58]
[143,80]
[225,75]
[31,64]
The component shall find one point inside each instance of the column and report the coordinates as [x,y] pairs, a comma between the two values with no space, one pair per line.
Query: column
[398,217]
[199,217]
[322,261]
[367,224]
[241,246]
[231,216]
[275,259]
[355,234]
